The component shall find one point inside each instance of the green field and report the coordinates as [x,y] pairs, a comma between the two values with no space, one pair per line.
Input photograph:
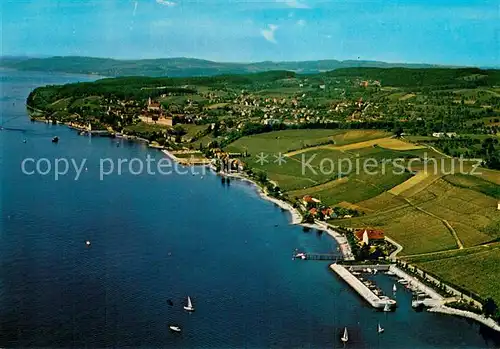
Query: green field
[193,130]
[317,166]
[358,187]
[282,141]
[475,183]
[146,127]
[468,211]
[474,269]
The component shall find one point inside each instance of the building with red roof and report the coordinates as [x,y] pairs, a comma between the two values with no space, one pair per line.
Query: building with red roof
[373,234]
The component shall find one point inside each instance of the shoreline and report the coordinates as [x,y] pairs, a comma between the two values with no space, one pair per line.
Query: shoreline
[438,301]
[443,309]
[296,217]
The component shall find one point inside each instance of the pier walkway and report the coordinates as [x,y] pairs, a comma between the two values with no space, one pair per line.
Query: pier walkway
[317,256]
[359,287]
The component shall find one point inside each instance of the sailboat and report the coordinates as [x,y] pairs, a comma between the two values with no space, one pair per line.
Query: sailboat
[394,289]
[345,336]
[380,329]
[189,306]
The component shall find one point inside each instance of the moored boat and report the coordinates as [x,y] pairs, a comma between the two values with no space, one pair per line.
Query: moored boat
[175,328]
[387,307]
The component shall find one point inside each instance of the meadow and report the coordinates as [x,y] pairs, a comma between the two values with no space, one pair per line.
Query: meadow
[283,141]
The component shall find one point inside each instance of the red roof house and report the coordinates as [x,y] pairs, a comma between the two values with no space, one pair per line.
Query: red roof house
[373,234]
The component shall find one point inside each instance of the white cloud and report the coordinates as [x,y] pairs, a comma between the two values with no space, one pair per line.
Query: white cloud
[301,22]
[294,3]
[135,9]
[268,34]
[166,3]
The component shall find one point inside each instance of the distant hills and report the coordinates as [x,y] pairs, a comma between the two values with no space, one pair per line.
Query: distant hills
[181,67]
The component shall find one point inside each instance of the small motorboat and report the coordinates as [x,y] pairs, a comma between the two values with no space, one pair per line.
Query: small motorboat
[175,328]
[189,306]
[55,139]
[87,243]
[387,307]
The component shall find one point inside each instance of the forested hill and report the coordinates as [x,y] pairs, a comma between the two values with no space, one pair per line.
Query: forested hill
[180,67]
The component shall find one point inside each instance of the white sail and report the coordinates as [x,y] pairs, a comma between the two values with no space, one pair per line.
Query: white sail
[380,329]
[189,306]
[345,337]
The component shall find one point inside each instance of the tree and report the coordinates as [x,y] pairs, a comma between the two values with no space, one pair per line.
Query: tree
[213,144]
[398,131]
[308,218]
[490,308]
[363,252]
[179,130]
[261,176]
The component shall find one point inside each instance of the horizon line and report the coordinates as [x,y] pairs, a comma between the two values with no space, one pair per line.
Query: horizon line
[45,56]
[433,65]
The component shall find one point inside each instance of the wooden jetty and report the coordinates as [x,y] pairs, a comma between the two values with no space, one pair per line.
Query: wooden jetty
[318,256]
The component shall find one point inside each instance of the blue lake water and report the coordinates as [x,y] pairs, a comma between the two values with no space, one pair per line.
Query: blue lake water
[159,237]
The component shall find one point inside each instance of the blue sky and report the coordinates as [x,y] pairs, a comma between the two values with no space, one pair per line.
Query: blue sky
[431,31]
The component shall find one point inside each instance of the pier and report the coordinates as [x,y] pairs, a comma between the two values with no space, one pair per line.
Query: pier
[317,256]
[374,300]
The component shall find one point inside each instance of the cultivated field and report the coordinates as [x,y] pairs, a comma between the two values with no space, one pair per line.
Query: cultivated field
[410,183]
[423,211]
[388,143]
[416,231]
[476,269]
[282,141]
[346,138]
